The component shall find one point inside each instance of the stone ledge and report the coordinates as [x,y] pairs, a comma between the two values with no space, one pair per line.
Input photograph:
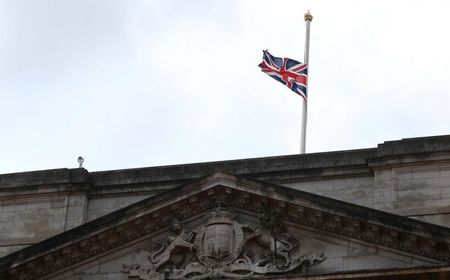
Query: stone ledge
[44,177]
[414,145]
[314,164]
[278,169]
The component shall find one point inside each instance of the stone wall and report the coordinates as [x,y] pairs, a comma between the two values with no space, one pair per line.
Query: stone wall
[410,177]
[26,220]
[358,190]
[421,192]
[100,205]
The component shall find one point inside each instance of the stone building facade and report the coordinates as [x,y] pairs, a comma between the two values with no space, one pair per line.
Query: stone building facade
[379,213]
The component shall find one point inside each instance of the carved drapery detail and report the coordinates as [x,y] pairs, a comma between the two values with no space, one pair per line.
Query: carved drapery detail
[223,248]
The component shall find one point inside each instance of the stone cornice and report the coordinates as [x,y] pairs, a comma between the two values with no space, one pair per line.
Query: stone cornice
[278,169]
[61,176]
[298,208]
[411,151]
[416,273]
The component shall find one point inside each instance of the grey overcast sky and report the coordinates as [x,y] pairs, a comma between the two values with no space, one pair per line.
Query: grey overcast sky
[155,82]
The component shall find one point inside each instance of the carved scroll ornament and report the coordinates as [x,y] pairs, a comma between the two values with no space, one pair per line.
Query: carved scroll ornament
[223,248]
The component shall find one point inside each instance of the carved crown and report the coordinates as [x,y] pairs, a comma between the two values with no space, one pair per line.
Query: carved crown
[220,216]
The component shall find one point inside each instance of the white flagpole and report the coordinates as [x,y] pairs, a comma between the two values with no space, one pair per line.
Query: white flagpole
[308,19]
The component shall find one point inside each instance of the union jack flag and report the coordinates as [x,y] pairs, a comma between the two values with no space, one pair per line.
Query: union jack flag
[287,71]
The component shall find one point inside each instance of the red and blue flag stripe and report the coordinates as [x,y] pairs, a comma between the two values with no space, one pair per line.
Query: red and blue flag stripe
[287,71]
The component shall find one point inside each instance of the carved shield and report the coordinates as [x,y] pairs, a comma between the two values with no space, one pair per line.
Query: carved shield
[219,241]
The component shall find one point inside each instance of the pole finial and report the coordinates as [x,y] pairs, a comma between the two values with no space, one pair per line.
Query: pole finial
[308,16]
[80,162]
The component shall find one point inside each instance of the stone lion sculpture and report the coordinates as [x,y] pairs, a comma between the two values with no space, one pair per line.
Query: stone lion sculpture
[178,242]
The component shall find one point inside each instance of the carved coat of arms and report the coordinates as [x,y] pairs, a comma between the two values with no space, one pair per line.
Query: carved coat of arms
[223,248]
[219,241]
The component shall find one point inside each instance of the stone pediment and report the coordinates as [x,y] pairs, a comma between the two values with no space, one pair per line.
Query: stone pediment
[224,226]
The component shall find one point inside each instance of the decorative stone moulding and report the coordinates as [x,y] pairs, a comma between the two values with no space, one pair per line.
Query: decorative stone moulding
[223,248]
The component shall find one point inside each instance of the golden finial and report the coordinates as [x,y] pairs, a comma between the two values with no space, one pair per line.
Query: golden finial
[308,16]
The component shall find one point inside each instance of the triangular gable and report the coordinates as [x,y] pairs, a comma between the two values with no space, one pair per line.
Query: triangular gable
[298,210]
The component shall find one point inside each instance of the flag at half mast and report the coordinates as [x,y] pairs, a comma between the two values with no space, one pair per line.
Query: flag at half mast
[287,71]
